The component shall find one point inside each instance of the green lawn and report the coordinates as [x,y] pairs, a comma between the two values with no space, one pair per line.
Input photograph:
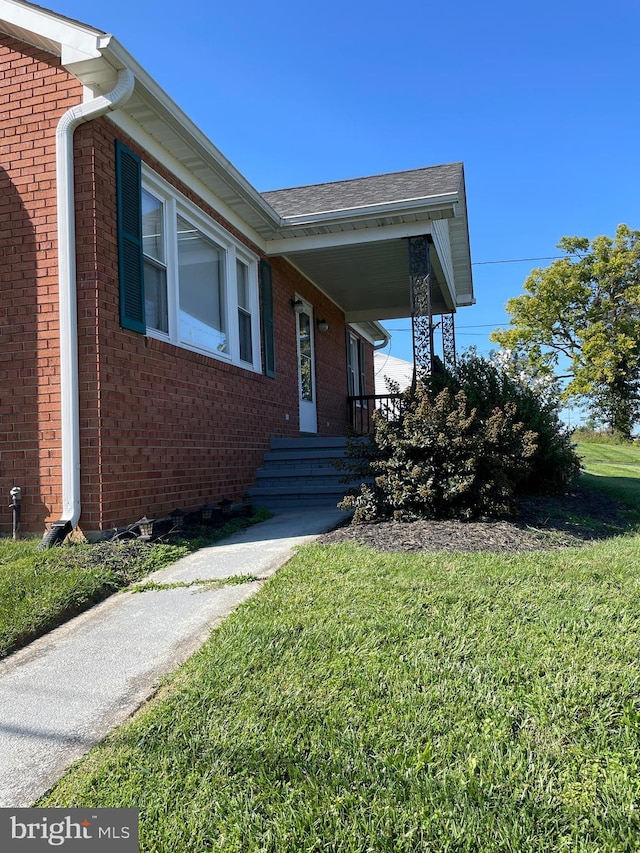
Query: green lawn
[42,589]
[614,469]
[372,702]
[623,456]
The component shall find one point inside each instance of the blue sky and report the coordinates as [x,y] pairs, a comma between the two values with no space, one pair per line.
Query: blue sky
[540,102]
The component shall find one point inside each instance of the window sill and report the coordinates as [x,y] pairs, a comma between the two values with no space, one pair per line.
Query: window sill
[157,337]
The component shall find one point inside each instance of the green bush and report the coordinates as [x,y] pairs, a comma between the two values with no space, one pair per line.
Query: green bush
[488,384]
[467,443]
[441,460]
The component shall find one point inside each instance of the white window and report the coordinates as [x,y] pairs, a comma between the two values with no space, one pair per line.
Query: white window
[356,374]
[155,267]
[201,285]
[245,319]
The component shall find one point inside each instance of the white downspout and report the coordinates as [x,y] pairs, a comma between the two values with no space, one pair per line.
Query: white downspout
[382,343]
[69,385]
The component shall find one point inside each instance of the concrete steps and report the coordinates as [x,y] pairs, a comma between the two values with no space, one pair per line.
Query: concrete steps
[299,472]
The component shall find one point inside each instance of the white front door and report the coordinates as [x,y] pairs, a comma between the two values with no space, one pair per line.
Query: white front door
[306,369]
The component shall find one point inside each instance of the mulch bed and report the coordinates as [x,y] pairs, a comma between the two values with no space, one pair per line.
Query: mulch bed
[579,516]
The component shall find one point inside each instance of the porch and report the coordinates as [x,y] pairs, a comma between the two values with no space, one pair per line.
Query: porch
[381,248]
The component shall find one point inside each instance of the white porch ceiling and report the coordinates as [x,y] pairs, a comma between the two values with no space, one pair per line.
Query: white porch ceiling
[369,281]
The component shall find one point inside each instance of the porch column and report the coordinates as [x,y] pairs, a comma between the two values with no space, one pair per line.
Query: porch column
[448,340]
[421,310]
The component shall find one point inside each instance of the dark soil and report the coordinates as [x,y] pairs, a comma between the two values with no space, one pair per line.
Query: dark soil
[579,516]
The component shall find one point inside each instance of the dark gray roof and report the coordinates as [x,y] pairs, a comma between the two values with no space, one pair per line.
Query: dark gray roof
[62,17]
[360,192]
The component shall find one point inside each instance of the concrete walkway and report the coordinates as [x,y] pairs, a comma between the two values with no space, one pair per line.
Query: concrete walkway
[63,693]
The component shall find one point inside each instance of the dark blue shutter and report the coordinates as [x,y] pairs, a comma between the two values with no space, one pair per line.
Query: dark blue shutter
[268,336]
[130,263]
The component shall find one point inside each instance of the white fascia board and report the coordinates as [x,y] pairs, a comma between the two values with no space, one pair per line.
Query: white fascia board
[292,245]
[175,167]
[170,112]
[443,204]
[71,36]
[72,56]
[465,299]
[442,243]
[381,333]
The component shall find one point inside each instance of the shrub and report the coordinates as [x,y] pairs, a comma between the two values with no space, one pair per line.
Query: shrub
[442,460]
[489,384]
[466,444]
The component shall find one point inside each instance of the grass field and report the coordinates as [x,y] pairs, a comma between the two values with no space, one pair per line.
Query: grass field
[376,702]
[614,469]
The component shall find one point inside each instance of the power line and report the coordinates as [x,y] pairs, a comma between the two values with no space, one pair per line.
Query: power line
[497,324]
[526,260]
[481,326]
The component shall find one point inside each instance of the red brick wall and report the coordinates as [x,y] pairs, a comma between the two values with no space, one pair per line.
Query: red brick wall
[34,93]
[162,426]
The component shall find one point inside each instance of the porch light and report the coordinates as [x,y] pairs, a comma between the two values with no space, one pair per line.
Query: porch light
[323,326]
[297,305]
[145,526]
[225,506]
[177,519]
[206,512]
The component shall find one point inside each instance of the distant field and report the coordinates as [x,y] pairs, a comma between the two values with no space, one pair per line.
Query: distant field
[595,453]
[613,468]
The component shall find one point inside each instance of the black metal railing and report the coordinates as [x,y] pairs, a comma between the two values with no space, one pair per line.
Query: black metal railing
[363,406]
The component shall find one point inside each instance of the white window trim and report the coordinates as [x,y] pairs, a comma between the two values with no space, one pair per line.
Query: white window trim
[174,204]
[355,368]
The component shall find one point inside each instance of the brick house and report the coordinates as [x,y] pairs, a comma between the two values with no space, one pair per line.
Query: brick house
[161,319]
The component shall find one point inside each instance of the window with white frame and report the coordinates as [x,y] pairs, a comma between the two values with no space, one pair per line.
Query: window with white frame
[155,266]
[200,284]
[356,375]
[202,290]
[245,319]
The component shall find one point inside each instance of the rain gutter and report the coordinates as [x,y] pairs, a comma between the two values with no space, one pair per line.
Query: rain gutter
[69,383]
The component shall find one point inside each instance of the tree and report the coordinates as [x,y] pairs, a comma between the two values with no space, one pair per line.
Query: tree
[584,310]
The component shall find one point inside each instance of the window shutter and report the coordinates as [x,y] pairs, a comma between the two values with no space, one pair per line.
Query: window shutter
[130,263]
[268,335]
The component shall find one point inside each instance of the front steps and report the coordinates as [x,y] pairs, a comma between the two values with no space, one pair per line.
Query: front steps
[299,472]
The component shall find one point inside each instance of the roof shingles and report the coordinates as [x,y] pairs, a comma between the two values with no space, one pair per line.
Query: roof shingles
[361,192]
